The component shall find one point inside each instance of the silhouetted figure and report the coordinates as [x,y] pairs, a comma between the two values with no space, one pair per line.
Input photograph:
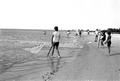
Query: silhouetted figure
[80,32]
[108,42]
[45,32]
[88,32]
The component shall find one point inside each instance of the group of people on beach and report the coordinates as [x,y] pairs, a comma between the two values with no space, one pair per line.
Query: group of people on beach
[77,33]
[102,39]
[55,39]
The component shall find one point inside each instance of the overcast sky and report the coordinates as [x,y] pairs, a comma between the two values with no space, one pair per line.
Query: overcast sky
[66,14]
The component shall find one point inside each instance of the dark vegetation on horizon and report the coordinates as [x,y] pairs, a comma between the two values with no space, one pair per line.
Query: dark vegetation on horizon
[113,30]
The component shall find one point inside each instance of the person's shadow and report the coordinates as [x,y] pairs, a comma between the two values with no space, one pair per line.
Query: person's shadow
[115,54]
[55,62]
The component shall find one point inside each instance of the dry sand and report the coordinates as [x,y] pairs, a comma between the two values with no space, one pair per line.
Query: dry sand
[92,64]
[81,60]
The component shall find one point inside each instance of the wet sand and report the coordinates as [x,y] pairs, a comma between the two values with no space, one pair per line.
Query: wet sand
[81,60]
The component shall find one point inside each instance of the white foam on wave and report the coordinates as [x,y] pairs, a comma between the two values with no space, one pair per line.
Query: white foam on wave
[35,49]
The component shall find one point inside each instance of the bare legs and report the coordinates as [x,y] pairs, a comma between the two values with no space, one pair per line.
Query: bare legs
[57,51]
[109,47]
[109,50]
[53,50]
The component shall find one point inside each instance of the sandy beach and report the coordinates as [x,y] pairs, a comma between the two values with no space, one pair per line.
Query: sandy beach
[23,57]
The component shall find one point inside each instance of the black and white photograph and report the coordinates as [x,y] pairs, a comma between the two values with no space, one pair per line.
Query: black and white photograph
[59,40]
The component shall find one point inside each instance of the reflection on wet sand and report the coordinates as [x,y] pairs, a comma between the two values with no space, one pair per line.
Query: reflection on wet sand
[54,64]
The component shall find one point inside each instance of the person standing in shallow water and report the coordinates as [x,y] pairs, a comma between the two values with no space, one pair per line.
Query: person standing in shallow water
[55,41]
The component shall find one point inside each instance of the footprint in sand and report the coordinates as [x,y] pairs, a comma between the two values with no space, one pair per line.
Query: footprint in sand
[47,76]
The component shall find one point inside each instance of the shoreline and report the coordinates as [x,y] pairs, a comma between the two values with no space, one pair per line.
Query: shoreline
[82,60]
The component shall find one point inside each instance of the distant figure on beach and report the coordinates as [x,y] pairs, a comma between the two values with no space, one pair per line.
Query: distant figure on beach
[55,41]
[96,35]
[88,32]
[103,38]
[44,32]
[76,33]
[68,33]
[108,41]
[80,32]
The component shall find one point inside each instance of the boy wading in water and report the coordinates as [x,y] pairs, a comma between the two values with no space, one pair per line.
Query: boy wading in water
[55,41]
[108,42]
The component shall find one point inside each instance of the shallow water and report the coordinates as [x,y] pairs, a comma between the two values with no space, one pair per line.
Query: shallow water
[17,45]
